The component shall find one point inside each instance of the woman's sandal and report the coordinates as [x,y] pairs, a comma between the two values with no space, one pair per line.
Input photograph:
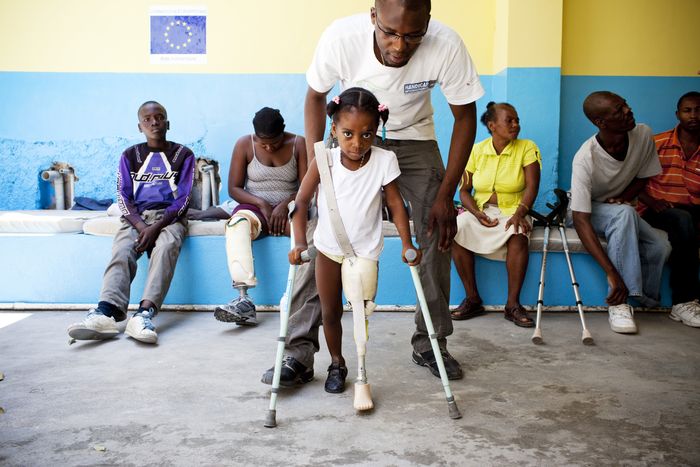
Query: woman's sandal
[518,315]
[467,309]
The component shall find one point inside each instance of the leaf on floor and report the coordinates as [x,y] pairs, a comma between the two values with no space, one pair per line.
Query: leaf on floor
[100,448]
[2,411]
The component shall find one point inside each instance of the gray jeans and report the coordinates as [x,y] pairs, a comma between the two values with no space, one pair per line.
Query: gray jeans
[422,171]
[120,272]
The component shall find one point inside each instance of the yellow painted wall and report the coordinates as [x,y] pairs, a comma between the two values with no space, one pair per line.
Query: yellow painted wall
[631,37]
[267,36]
[596,37]
[528,33]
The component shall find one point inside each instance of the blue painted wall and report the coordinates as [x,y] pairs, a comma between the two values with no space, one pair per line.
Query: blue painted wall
[535,93]
[87,119]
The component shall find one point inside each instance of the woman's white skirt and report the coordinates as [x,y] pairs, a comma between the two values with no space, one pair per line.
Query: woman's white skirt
[489,242]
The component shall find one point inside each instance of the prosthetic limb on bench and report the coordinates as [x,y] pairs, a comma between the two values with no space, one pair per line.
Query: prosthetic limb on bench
[285,304]
[557,218]
[241,230]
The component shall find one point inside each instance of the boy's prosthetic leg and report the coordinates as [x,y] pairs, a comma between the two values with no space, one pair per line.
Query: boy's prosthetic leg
[359,277]
[451,404]
[241,230]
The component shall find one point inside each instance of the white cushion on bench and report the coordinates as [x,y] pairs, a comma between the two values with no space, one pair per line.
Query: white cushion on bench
[103,226]
[46,221]
[206,228]
[108,227]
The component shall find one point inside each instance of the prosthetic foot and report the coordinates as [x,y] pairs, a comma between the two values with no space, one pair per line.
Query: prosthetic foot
[240,310]
[241,229]
[359,278]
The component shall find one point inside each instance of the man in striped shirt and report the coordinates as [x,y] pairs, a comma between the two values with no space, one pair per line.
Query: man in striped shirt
[671,201]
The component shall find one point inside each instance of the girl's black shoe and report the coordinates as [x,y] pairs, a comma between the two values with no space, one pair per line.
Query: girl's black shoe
[335,383]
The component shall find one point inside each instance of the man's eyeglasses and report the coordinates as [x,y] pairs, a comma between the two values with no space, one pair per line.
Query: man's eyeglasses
[409,38]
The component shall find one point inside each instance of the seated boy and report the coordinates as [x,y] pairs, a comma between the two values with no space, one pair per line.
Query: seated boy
[153,190]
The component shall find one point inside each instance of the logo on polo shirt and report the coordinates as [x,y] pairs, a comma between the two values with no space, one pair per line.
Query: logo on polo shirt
[418,87]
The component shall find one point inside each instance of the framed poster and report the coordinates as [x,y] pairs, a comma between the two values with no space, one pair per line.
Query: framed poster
[178,34]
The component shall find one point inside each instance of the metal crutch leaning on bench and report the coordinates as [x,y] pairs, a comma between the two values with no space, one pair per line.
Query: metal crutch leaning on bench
[557,218]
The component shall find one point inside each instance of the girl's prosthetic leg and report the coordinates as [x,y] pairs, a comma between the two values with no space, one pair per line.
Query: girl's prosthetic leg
[241,230]
[359,277]
[451,404]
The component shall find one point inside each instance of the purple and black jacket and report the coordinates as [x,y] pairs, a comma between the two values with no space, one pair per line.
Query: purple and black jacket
[149,179]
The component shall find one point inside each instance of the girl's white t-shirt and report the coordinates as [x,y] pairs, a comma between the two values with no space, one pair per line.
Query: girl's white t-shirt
[345,55]
[359,198]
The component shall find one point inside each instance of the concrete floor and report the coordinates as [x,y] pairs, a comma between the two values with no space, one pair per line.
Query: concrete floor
[196,398]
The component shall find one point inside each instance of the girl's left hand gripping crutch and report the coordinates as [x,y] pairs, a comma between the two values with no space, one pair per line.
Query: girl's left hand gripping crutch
[271,418]
[451,404]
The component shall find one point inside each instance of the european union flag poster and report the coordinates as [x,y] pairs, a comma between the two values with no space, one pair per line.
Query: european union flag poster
[178,35]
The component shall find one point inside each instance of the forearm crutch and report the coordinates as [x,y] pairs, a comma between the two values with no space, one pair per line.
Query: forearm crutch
[537,335]
[451,404]
[586,337]
[286,302]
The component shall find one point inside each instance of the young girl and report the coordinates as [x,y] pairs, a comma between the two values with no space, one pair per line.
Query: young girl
[359,172]
[263,178]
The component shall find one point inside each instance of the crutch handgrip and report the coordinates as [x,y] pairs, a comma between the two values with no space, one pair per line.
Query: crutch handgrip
[308,255]
[411,255]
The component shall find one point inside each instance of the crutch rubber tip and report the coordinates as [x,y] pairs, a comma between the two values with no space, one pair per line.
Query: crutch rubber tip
[586,338]
[453,410]
[537,337]
[271,419]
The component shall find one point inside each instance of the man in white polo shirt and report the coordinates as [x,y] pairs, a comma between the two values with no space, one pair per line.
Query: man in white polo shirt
[399,54]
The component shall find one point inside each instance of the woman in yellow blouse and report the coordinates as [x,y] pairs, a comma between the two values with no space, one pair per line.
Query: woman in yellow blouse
[504,174]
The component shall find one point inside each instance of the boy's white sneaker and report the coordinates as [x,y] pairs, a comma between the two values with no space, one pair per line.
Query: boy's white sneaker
[95,326]
[141,328]
[688,313]
[621,318]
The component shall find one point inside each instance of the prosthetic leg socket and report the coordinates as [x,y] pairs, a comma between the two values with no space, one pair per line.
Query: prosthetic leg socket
[241,229]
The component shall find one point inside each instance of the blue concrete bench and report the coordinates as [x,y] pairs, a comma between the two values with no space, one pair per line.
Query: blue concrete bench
[67,268]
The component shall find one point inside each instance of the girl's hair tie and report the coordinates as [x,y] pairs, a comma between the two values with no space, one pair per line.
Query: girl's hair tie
[336,99]
[382,107]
